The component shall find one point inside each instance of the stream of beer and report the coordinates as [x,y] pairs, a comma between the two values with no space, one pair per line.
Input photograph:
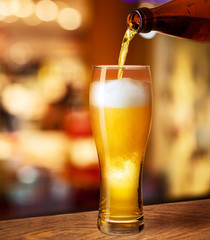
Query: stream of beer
[129,34]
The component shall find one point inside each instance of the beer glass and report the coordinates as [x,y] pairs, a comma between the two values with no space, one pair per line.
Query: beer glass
[120,111]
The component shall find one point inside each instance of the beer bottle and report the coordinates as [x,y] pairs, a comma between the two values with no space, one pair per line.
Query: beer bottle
[182,18]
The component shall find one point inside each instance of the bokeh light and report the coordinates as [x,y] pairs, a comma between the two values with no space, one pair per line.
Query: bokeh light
[15,99]
[21,101]
[21,53]
[27,174]
[53,86]
[43,149]
[4,8]
[46,10]
[5,150]
[69,19]
[10,19]
[8,8]
[83,152]
[14,6]
[26,8]
[74,72]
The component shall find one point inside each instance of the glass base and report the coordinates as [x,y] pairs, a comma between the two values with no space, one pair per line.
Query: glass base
[121,227]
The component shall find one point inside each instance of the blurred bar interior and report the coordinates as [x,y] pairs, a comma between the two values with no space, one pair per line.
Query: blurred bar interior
[48,160]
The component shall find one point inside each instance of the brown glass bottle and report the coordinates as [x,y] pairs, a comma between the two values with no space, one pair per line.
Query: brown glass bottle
[182,18]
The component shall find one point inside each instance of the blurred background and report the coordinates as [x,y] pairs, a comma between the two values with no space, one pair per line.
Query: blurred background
[48,160]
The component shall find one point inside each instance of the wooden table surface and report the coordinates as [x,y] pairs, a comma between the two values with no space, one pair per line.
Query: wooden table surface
[183,220]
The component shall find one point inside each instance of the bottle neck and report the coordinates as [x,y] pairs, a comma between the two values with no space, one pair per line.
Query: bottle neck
[141,20]
[188,19]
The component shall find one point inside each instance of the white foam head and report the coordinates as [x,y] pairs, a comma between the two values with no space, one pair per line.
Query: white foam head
[120,93]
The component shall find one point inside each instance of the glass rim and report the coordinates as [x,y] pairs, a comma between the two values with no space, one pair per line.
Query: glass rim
[124,67]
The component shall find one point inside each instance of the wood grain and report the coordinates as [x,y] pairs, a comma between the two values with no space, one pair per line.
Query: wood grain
[183,220]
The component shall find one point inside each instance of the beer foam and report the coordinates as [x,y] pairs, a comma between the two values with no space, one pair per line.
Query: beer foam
[120,93]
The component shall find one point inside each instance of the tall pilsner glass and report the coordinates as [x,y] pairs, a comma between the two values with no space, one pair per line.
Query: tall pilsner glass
[121,117]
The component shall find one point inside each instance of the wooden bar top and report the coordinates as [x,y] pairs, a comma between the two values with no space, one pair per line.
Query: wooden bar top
[182,220]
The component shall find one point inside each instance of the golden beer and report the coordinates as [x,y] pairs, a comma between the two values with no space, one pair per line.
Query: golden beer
[121,117]
[128,36]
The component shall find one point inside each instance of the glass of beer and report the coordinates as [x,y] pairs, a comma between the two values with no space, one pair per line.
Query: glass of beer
[120,111]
